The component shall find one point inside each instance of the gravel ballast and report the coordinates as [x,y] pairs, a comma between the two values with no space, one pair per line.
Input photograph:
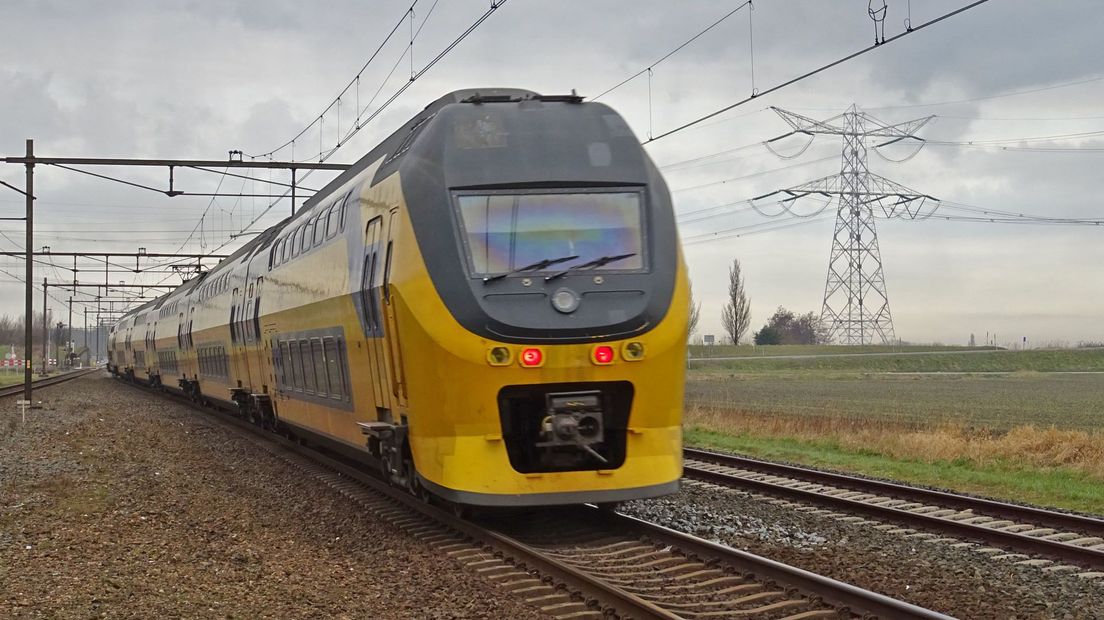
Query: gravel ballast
[118,503]
[955,581]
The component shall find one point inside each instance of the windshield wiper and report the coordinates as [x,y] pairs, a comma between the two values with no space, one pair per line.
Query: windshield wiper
[594,264]
[541,264]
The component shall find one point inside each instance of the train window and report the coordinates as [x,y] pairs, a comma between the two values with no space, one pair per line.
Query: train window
[387,274]
[305,237]
[319,228]
[503,232]
[319,363]
[285,359]
[296,369]
[367,296]
[257,316]
[309,383]
[333,221]
[247,325]
[233,326]
[294,244]
[333,368]
[345,206]
[342,368]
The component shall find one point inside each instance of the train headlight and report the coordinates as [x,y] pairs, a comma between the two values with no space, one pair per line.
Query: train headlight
[498,356]
[565,300]
[633,351]
[602,355]
[531,358]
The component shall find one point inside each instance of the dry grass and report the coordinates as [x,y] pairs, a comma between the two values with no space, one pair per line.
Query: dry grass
[1021,446]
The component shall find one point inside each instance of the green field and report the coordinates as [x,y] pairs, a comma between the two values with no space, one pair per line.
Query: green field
[883,360]
[750,350]
[1023,425]
[996,401]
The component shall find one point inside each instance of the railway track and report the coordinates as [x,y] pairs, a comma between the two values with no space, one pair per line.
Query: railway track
[583,562]
[1019,531]
[17,389]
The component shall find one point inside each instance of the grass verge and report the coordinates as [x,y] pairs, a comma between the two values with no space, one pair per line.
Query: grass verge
[1038,360]
[1047,467]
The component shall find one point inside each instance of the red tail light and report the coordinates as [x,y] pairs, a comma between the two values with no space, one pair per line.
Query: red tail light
[602,354]
[531,357]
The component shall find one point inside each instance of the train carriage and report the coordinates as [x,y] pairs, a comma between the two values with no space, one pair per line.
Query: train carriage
[491,305]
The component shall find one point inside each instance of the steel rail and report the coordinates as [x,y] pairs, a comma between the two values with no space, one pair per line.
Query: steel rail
[1083,556]
[836,593]
[1042,516]
[589,586]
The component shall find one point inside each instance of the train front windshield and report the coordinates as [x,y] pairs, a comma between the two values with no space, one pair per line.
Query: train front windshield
[507,232]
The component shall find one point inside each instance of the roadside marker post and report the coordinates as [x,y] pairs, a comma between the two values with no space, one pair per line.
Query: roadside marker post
[23,405]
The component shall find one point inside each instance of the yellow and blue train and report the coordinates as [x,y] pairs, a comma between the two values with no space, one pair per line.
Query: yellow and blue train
[491,306]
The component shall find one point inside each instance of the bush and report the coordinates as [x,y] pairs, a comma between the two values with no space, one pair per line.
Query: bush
[767,335]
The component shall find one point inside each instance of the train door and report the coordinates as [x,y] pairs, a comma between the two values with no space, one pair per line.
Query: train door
[152,361]
[372,316]
[259,350]
[189,343]
[394,351]
[237,338]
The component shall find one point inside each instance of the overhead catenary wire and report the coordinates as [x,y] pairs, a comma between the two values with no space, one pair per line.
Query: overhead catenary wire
[934,104]
[671,53]
[495,5]
[355,82]
[820,69]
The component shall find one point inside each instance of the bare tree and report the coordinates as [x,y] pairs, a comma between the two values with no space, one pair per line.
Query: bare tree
[736,314]
[695,312]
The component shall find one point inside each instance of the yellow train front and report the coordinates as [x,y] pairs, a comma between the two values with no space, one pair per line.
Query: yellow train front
[540,301]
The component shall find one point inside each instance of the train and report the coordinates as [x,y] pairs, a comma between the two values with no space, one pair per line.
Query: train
[490,307]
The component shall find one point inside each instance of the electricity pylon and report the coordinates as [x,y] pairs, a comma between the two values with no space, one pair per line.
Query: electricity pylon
[856,304]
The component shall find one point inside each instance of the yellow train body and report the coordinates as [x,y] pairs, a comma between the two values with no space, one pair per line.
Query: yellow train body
[335,325]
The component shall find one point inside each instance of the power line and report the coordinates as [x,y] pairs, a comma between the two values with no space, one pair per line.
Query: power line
[749,230]
[817,70]
[988,97]
[353,82]
[753,174]
[495,5]
[671,53]
[1016,93]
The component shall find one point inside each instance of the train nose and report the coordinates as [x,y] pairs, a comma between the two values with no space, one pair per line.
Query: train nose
[565,427]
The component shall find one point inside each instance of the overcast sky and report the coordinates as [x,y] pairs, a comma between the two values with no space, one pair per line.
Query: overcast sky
[194,79]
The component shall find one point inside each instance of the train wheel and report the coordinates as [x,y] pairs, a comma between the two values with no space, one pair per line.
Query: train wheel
[461,511]
[387,468]
[417,489]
